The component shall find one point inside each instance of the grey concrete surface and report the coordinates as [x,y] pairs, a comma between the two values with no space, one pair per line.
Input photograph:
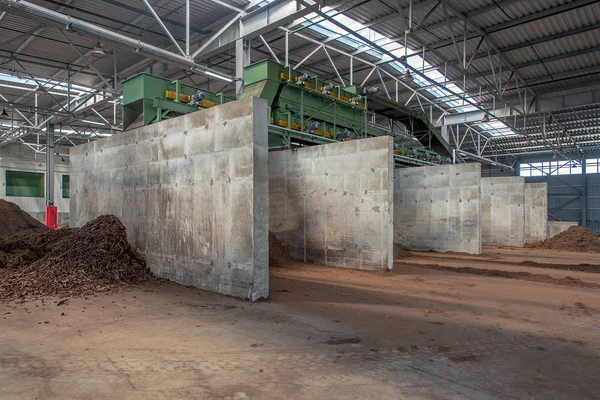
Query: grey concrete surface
[503,211]
[536,211]
[63,217]
[438,208]
[333,204]
[556,227]
[192,192]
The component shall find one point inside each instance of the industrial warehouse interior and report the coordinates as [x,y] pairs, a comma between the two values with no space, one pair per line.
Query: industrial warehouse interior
[299,199]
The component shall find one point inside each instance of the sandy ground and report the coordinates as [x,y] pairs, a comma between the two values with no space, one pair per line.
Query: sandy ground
[325,333]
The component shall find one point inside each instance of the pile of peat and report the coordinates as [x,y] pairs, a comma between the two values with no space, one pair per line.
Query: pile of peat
[70,261]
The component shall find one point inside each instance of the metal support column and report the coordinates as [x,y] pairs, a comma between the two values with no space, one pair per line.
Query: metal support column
[583,194]
[115,83]
[69,89]
[351,71]
[242,59]
[49,164]
[187,27]
[287,48]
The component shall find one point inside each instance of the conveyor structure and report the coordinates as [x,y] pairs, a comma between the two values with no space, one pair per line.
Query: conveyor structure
[303,111]
[149,98]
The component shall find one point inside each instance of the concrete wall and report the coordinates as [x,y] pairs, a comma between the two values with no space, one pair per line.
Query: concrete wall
[192,192]
[556,227]
[333,204]
[503,211]
[438,208]
[536,211]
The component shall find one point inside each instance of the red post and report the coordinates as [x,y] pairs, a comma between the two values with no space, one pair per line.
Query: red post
[52,217]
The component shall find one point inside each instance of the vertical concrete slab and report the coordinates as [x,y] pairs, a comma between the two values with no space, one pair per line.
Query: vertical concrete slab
[192,192]
[536,211]
[333,204]
[503,211]
[438,208]
[556,227]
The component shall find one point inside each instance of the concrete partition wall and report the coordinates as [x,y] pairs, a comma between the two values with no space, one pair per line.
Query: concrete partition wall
[503,211]
[333,204]
[438,208]
[556,227]
[536,211]
[192,192]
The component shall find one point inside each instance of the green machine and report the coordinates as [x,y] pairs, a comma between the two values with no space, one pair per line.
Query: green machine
[149,98]
[305,110]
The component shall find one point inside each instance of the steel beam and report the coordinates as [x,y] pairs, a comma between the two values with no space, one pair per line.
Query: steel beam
[484,159]
[254,23]
[516,22]
[227,5]
[48,16]
[164,27]
[270,50]
[545,60]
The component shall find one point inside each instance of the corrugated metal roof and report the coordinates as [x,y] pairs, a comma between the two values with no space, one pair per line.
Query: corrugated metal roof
[519,29]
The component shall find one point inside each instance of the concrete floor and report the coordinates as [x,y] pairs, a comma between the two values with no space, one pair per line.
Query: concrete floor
[326,333]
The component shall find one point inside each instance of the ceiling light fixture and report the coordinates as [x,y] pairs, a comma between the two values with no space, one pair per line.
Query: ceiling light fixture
[407,77]
[98,51]
[4,113]
[87,121]
[218,76]
[41,90]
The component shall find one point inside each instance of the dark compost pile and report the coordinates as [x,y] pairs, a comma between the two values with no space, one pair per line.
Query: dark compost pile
[70,261]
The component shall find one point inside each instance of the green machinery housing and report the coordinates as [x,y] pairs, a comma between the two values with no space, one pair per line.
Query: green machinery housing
[149,98]
[306,110]
[303,111]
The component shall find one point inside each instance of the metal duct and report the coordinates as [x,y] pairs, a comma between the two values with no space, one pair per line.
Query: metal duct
[47,16]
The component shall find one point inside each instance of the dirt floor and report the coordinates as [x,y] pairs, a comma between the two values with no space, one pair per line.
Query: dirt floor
[416,333]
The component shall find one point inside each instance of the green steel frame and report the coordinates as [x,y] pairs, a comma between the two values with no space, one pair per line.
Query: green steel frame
[297,101]
[303,110]
[145,99]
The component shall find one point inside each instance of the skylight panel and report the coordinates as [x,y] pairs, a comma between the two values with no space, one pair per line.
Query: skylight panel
[27,83]
[361,40]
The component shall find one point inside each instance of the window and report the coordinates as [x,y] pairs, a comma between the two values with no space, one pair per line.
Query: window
[65,186]
[24,184]
[592,166]
[545,168]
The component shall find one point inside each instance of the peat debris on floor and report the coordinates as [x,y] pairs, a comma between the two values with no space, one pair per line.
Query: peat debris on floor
[14,220]
[576,238]
[334,341]
[592,268]
[70,262]
[401,252]
[278,255]
[526,276]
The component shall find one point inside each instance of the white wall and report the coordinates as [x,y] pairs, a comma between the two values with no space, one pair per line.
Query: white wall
[333,204]
[18,157]
[503,211]
[192,192]
[438,208]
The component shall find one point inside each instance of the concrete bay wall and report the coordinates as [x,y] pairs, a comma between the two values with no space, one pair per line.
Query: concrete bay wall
[333,204]
[503,211]
[438,208]
[536,211]
[556,227]
[192,192]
